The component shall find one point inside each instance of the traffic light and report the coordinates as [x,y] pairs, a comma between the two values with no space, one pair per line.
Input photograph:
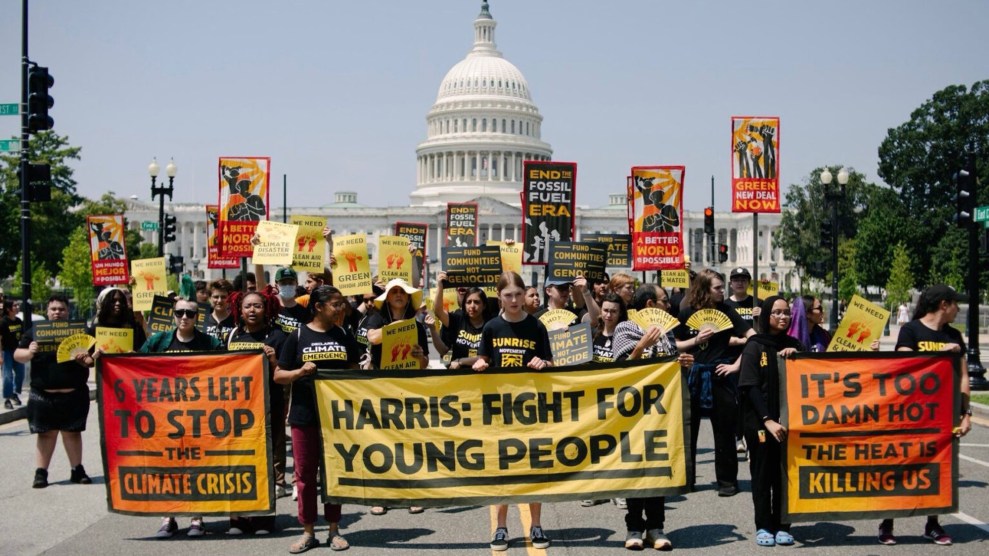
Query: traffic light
[39,183]
[964,196]
[826,235]
[38,100]
[709,221]
[176,264]
[169,230]
[722,253]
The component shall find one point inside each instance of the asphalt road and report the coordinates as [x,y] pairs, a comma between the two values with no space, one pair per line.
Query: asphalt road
[73,519]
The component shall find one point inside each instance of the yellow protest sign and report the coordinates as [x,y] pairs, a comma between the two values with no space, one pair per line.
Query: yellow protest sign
[114,340]
[150,277]
[309,251]
[453,438]
[398,339]
[449,301]
[72,346]
[766,288]
[352,273]
[678,278]
[862,324]
[511,256]
[394,259]
[277,243]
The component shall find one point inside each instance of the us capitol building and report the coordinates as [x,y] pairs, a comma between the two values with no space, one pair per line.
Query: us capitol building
[483,124]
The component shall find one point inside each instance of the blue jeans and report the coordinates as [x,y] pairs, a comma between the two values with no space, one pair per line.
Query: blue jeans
[13,375]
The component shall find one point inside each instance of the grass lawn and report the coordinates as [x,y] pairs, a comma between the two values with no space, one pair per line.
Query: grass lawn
[981,397]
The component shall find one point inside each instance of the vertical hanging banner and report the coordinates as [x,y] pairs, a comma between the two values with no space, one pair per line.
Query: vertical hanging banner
[618,247]
[656,193]
[755,164]
[549,193]
[870,435]
[461,224]
[213,258]
[416,234]
[394,258]
[243,202]
[108,255]
[310,246]
[149,275]
[186,434]
[352,274]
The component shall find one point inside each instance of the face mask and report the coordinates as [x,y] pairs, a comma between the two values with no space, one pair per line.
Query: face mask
[286,291]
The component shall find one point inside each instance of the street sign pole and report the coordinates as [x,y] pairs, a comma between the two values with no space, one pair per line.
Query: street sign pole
[982,214]
[9,109]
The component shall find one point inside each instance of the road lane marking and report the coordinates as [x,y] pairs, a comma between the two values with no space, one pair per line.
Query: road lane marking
[967,445]
[972,521]
[973,460]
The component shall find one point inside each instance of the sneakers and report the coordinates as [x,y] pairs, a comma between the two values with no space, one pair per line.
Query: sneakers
[886,533]
[196,528]
[281,491]
[17,400]
[8,404]
[740,446]
[538,538]
[621,503]
[936,533]
[588,503]
[40,478]
[656,539]
[79,476]
[633,540]
[500,540]
[168,528]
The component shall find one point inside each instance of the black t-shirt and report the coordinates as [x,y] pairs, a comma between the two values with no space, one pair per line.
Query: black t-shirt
[242,339]
[717,347]
[333,349]
[603,351]
[744,310]
[466,337]
[514,344]
[290,318]
[918,337]
[377,320]
[219,330]
[10,332]
[47,373]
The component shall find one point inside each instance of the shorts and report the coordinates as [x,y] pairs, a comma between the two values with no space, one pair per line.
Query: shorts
[58,411]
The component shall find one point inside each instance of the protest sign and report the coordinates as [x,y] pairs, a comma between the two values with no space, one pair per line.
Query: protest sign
[656,207]
[309,251]
[511,256]
[150,281]
[870,435]
[243,202]
[114,340]
[619,247]
[76,344]
[213,258]
[394,259]
[352,274]
[50,333]
[549,193]
[186,434]
[416,234]
[461,224]
[766,288]
[276,243]
[452,438]
[568,260]
[472,266]
[398,339]
[862,324]
[675,278]
[108,253]
[571,346]
[755,167]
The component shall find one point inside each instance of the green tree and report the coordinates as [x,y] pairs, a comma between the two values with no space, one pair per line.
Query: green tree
[77,271]
[41,284]
[848,277]
[901,278]
[918,159]
[52,222]
[885,224]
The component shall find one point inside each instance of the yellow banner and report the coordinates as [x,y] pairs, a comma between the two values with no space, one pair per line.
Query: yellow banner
[277,243]
[449,301]
[352,274]
[114,340]
[511,256]
[444,438]
[862,324]
[398,339]
[150,277]
[394,259]
[310,247]
[678,278]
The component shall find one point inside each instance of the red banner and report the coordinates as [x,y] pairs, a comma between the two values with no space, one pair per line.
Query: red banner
[213,258]
[656,217]
[243,185]
[870,435]
[755,164]
[108,253]
[186,433]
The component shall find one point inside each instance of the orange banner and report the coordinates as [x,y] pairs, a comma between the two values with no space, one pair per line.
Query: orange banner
[213,258]
[755,164]
[656,217]
[243,202]
[870,435]
[186,434]
[108,254]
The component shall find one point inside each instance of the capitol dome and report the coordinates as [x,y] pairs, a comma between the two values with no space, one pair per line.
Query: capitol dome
[480,129]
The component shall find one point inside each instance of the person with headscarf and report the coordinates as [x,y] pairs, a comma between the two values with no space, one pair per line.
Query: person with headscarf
[759,385]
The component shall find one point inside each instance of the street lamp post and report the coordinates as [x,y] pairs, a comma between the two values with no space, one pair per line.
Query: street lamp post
[832,195]
[160,192]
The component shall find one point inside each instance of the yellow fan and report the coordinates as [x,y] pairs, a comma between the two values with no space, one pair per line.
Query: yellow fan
[70,346]
[709,318]
[557,319]
[653,316]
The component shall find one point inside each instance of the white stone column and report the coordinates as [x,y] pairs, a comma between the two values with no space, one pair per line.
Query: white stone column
[477,165]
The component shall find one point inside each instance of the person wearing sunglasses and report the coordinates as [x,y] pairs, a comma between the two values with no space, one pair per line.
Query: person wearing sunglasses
[184,337]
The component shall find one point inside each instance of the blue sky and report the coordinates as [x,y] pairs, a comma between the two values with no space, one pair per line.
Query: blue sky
[337,92]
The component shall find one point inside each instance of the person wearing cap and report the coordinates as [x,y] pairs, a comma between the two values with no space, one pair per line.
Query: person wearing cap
[931,331]
[558,296]
[744,304]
